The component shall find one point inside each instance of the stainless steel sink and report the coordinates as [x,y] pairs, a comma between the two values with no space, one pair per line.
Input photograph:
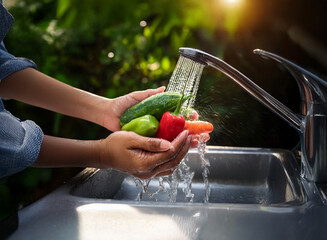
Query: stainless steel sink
[255,194]
[251,176]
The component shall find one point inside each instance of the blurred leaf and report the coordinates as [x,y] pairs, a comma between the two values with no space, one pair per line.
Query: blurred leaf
[165,63]
[62,8]
[110,93]
[57,124]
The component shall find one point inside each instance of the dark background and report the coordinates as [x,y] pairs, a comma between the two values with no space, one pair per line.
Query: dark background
[70,41]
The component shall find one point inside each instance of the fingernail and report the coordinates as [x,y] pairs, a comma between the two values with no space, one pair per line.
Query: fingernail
[165,145]
[161,89]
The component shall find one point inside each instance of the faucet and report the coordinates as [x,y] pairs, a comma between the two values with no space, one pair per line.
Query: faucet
[310,123]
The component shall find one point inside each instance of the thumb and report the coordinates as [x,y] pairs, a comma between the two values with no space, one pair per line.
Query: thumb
[141,95]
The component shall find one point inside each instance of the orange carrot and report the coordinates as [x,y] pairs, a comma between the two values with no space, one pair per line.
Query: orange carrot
[198,127]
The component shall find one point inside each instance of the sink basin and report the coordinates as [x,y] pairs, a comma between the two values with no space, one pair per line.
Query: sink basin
[245,176]
[255,194]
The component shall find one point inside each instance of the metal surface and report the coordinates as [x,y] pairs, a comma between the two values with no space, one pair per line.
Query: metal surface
[311,123]
[246,176]
[87,207]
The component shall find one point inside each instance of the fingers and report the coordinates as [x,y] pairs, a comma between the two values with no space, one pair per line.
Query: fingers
[158,157]
[119,105]
[152,163]
[165,173]
[168,167]
[178,144]
[147,157]
[194,143]
[125,102]
[204,137]
[150,144]
[141,95]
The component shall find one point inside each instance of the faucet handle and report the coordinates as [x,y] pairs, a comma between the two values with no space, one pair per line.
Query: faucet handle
[314,110]
[312,88]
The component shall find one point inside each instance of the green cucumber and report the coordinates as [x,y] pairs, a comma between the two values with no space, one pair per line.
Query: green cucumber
[156,105]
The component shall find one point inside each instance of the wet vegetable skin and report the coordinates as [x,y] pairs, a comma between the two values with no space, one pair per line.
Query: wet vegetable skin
[190,114]
[198,127]
[170,126]
[146,125]
[155,105]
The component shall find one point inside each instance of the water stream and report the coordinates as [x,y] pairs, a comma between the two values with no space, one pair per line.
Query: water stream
[187,72]
[186,77]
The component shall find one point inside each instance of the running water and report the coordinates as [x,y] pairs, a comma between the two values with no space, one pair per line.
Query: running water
[187,176]
[205,164]
[186,77]
[186,73]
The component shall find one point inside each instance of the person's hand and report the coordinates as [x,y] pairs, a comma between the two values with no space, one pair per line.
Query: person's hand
[141,156]
[199,138]
[204,137]
[116,107]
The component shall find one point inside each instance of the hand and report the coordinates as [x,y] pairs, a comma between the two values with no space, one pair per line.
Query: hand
[141,156]
[116,107]
[204,137]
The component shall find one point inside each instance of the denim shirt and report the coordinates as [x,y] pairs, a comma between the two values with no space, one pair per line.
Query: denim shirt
[20,141]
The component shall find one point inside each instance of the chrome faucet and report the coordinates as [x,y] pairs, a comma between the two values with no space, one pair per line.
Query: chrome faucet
[311,122]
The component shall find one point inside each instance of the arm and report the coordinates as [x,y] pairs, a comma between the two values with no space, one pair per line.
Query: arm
[125,151]
[35,88]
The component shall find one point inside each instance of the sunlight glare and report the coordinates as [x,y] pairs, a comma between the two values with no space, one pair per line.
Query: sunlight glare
[232,1]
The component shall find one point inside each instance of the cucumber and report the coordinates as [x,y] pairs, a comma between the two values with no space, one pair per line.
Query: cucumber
[156,105]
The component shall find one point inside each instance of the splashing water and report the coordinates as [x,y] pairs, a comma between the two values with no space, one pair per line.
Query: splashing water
[182,176]
[173,183]
[144,184]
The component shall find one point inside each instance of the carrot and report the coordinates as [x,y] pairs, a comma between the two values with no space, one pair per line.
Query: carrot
[198,127]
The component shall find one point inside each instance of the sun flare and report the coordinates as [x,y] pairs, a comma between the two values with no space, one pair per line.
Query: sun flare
[232,1]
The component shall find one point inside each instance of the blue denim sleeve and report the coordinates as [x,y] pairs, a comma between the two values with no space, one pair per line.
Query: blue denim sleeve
[20,143]
[10,64]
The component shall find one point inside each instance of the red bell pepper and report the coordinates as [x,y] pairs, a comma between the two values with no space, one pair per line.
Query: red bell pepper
[171,124]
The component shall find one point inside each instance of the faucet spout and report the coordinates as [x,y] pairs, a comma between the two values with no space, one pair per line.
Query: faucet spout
[311,123]
[261,95]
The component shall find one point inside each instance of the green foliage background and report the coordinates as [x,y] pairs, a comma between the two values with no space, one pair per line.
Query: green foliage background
[71,40]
